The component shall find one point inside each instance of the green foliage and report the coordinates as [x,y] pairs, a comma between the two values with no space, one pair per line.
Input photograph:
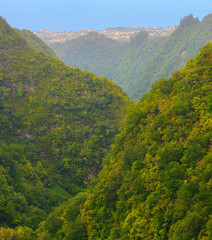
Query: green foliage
[137,64]
[181,105]
[56,126]
[19,233]
[36,43]
[157,183]
[65,222]
[163,85]
[8,38]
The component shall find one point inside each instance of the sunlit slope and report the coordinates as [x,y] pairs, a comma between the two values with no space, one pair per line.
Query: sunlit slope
[157,184]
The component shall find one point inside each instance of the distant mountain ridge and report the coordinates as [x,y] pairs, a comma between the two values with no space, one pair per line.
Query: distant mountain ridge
[139,63]
[121,34]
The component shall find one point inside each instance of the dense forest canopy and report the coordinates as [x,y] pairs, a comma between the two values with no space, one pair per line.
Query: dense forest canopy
[142,61]
[156,183]
[36,43]
[80,161]
[56,126]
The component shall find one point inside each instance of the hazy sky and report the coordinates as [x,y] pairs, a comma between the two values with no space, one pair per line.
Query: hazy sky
[64,15]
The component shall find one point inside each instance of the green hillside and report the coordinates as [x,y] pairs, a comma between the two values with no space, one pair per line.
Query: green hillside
[56,126]
[36,43]
[156,183]
[57,134]
[88,52]
[142,61]
[176,51]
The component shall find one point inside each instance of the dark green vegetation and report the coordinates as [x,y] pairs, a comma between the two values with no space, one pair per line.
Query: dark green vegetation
[156,183]
[56,126]
[88,52]
[142,61]
[36,43]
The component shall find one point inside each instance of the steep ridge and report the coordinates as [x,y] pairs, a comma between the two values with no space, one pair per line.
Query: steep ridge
[136,65]
[87,52]
[36,43]
[56,126]
[176,51]
[156,183]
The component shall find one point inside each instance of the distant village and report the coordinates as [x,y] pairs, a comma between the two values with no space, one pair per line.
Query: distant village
[120,33]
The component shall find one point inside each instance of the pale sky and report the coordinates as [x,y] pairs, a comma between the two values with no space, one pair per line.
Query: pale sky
[66,15]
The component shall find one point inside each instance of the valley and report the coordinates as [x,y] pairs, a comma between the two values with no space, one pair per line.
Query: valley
[80,160]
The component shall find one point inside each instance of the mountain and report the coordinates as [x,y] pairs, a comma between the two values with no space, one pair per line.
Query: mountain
[176,51]
[36,43]
[56,126]
[87,51]
[156,183]
[142,61]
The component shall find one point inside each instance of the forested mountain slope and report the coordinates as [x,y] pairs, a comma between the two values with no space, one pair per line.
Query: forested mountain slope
[56,126]
[36,43]
[142,61]
[177,50]
[87,51]
[156,183]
